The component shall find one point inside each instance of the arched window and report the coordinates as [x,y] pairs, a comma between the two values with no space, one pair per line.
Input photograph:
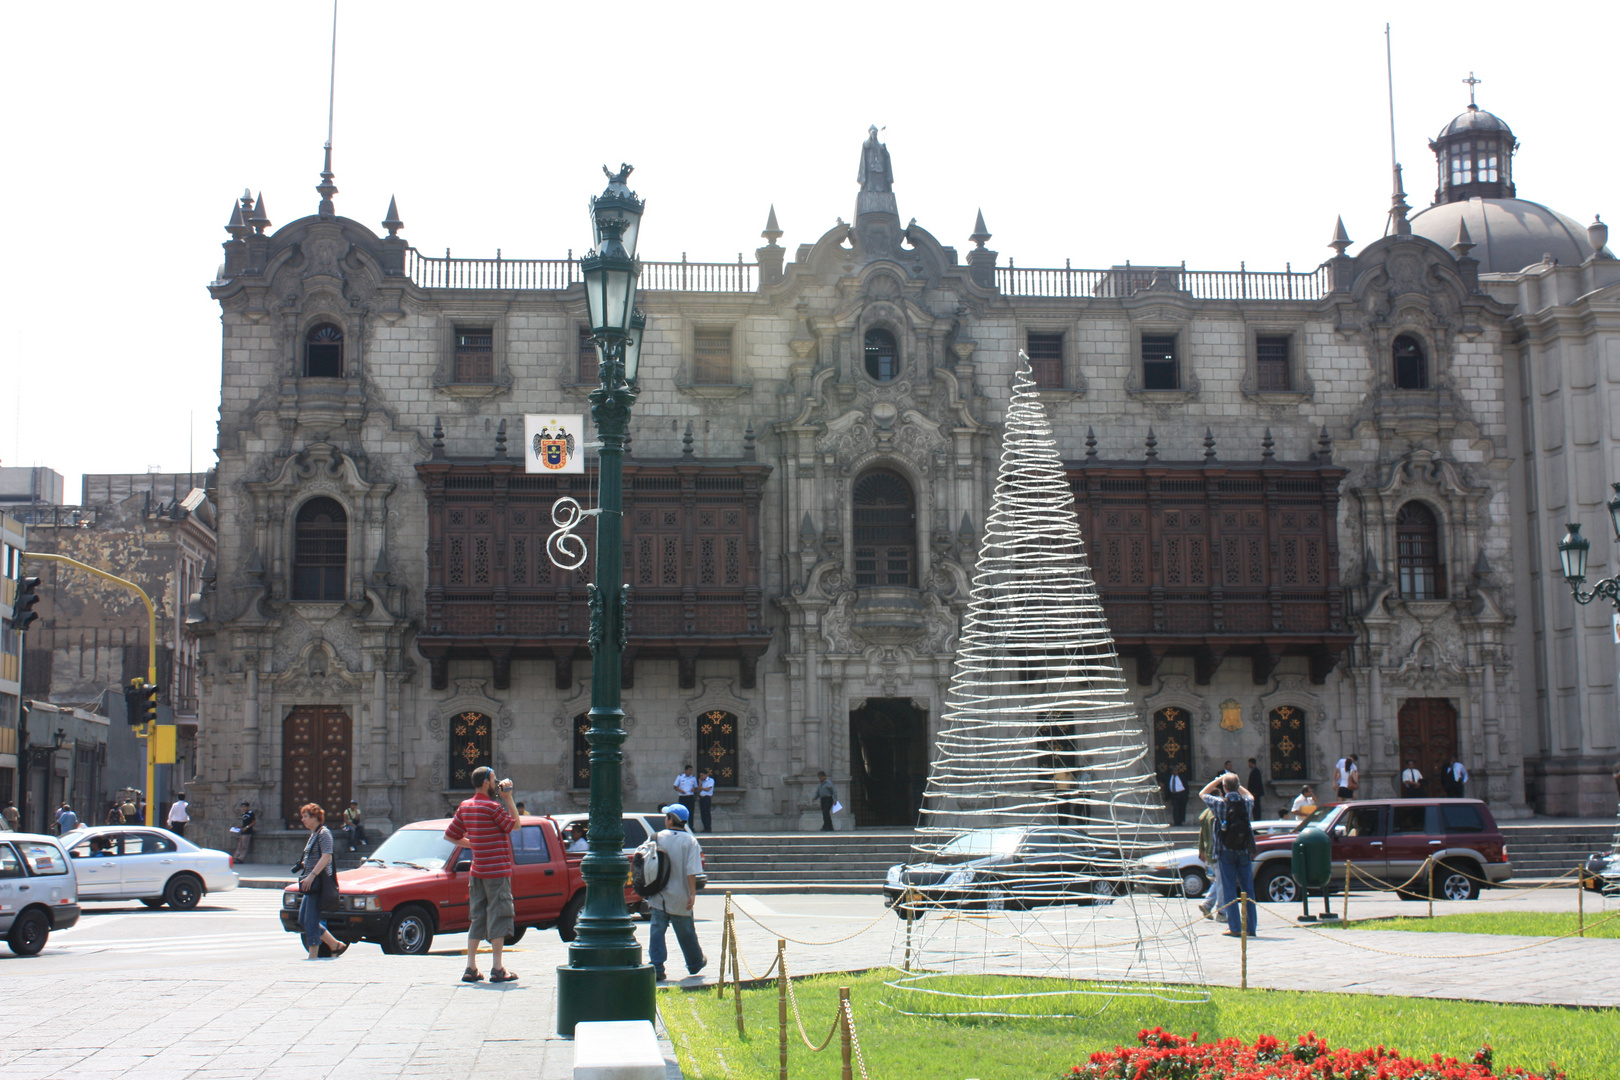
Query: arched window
[885,532]
[582,752]
[472,743]
[1411,365]
[1417,542]
[320,551]
[717,746]
[1287,743]
[323,352]
[882,355]
[1172,745]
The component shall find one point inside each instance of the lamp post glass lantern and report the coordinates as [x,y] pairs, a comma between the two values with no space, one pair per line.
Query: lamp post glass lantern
[1574,550]
[605,978]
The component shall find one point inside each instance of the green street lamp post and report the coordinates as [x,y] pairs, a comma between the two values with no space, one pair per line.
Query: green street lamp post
[605,978]
[1573,551]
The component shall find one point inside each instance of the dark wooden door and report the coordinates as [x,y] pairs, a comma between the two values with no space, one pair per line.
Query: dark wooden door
[316,761]
[1172,747]
[1428,729]
[888,769]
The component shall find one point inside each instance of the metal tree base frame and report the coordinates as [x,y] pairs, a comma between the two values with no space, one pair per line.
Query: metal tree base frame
[1038,734]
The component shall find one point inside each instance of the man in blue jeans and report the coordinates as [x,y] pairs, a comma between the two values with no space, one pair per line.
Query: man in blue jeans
[1237,867]
[672,907]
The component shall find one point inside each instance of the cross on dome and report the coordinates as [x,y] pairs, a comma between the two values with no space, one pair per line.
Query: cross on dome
[1472,82]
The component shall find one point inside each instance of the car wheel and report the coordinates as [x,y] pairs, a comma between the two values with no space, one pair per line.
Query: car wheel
[1102,889]
[515,936]
[566,922]
[1278,886]
[1455,882]
[183,892]
[28,933]
[152,901]
[1194,884]
[995,899]
[410,932]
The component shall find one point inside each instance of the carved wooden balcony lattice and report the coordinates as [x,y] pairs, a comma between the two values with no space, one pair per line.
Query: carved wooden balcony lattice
[691,557]
[1210,560]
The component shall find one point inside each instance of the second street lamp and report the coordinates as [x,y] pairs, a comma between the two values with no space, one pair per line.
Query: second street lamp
[605,978]
[1574,551]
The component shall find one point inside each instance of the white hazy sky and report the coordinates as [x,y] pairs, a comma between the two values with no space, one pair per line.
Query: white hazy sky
[1154,132]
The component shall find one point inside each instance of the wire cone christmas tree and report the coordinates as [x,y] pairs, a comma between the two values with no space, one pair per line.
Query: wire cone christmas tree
[1041,753]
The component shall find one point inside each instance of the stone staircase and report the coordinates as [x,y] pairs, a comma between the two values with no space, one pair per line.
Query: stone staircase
[857,861]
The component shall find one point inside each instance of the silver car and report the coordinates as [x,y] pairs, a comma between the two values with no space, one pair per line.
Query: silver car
[154,866]
[37,891]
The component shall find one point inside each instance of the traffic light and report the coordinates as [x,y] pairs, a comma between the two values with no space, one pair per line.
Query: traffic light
[140,702]
[22,605]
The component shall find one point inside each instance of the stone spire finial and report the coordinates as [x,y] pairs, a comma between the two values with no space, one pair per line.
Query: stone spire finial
[1464,243]
[1597,234]
[750,451]
[772,231]
[1398,225]
[500,440]
[438,439]
[1324,447]
[1209,445]
[237,226]
[1341,239]
[1152,445]
[1091,445]
[326,188]
[259,219]
[686,442]
[391,221]
[770,256]
[1267,444]
[980,235]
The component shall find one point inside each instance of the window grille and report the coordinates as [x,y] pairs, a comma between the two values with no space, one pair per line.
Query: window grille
[1411,365]
[885,532]
[323,352]
[711,357]
[1271,363]
[1045,353]
[472,744]
[717,746]
[1417,540]
[475,355]
[1160,367]
[320,551]
[1287,724]
[589,362]
[882,355]
[582,752]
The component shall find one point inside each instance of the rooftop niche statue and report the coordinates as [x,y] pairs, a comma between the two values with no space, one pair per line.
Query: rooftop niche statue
[877,172]
[877,216]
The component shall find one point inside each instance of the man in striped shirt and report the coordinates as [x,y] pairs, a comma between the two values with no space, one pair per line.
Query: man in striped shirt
[485,825]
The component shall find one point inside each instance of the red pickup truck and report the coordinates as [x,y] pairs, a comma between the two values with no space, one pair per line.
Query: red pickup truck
[415,886]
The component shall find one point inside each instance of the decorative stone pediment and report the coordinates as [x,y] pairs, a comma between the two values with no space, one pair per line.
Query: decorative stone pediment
[318,674]
[1176,691]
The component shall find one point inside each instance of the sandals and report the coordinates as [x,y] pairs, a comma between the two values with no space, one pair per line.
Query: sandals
[501,975]
[343,947]
[471,976]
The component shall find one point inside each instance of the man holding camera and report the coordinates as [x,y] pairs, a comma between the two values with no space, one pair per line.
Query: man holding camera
[485,825]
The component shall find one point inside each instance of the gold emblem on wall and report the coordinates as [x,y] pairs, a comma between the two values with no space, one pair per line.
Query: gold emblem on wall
[1231,715]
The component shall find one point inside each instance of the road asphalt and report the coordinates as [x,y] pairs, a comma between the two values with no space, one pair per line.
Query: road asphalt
[222,992]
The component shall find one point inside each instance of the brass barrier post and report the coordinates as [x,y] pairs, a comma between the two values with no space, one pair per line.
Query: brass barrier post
[1347,890]
[725,937]
[1580,904]
[843,1031]
[1428,871]
[736,981]
[1243,936]
[781,1008]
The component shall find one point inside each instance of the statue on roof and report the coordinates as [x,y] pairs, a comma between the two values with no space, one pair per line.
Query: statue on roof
[877,174]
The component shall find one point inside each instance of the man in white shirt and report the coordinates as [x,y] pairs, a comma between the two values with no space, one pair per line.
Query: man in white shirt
[705,796]
[1177,789]
[1455,778]
[686,784]
[179,814]
[1411,781]
[672,907]
[1304,803]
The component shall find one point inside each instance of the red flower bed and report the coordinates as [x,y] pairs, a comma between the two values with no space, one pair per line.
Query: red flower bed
[1163,1056]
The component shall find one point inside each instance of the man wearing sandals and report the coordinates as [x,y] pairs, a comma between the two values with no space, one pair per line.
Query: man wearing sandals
[485,825]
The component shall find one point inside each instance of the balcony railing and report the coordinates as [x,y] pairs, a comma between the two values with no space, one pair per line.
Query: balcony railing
[1122,281]
[447,272]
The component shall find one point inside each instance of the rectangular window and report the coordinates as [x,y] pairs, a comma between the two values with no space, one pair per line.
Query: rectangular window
[589,362]
[1046,359]
[1462,819]
[475,355]
[1271,363]
[1160,370]
[711,357]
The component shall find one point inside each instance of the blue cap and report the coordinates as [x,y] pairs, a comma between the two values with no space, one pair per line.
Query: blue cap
[678,811]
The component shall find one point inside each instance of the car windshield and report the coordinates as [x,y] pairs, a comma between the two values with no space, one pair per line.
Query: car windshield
[426,848]
[1321,815]
[979,843]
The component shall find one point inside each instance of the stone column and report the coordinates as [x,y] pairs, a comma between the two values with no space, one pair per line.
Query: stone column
[250,718]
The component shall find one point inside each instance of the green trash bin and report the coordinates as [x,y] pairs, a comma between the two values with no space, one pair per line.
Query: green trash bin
[1312,867]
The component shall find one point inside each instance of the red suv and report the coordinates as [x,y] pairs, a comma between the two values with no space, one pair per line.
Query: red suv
[415,886]
[1391,839]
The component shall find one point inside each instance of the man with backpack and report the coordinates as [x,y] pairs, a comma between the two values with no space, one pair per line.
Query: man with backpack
[1233,808]
[672,902]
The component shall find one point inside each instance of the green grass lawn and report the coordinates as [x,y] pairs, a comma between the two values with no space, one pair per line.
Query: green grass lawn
[899,1047]
[1527,923]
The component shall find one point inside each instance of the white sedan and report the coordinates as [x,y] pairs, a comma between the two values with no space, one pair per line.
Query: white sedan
[154,866]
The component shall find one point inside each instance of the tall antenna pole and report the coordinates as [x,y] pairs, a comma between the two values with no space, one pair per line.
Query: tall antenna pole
[1389,70]
[1397,222]
[331,86]
[326,188]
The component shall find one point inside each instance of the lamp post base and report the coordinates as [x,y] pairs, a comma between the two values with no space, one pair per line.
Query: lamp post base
[604,993]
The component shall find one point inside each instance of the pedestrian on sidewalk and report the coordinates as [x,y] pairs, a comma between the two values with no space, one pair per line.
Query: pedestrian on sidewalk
[354,826]
[1411,781]
[1215,901]
[705,794]
[115,816]
[66,820]
[827,797]
[1304,803]
[179,814]
[316,878]
[1257,787]
[1346,777]
[485,825]
[1176,788]
[672,906]
[244,839]
[10,815]
[1454,780]
[1233,838]
[685,786]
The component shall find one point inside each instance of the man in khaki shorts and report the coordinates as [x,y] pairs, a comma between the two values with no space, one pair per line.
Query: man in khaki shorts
[485,826]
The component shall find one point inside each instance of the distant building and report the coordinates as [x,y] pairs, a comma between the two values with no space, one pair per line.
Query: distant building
[30,486]
[13,542]
[1320,507]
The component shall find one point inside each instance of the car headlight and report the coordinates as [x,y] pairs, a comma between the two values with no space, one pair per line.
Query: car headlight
[361,903]
[291,899]
[960,877]
[895,873]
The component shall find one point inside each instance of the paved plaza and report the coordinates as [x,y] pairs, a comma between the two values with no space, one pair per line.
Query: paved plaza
[223,993]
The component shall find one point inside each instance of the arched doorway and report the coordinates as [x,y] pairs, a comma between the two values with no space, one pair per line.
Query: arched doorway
[316,761]
[888,762]
[1172,746]
[1428,731]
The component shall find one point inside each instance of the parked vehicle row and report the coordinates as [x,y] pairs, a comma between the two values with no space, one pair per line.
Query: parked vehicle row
[38,891]
[154,866]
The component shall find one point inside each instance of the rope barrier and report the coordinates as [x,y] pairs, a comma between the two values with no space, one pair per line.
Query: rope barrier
[1440,956]
[797,941]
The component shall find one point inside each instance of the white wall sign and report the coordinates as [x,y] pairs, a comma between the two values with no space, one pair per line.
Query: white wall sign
[1617,628]
[553,444]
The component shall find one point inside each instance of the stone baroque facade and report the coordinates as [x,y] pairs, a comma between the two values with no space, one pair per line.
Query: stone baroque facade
[1325,491]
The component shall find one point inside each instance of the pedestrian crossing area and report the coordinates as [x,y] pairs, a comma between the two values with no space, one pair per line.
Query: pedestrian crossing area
[243,924]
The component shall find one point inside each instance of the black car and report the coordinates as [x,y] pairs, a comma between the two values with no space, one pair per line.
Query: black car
[1014,867]
[1603,872]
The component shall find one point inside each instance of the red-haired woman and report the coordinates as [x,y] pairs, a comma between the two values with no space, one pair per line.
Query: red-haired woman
[316,876]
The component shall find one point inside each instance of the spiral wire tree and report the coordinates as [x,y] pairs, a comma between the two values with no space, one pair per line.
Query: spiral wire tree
[1041,751]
